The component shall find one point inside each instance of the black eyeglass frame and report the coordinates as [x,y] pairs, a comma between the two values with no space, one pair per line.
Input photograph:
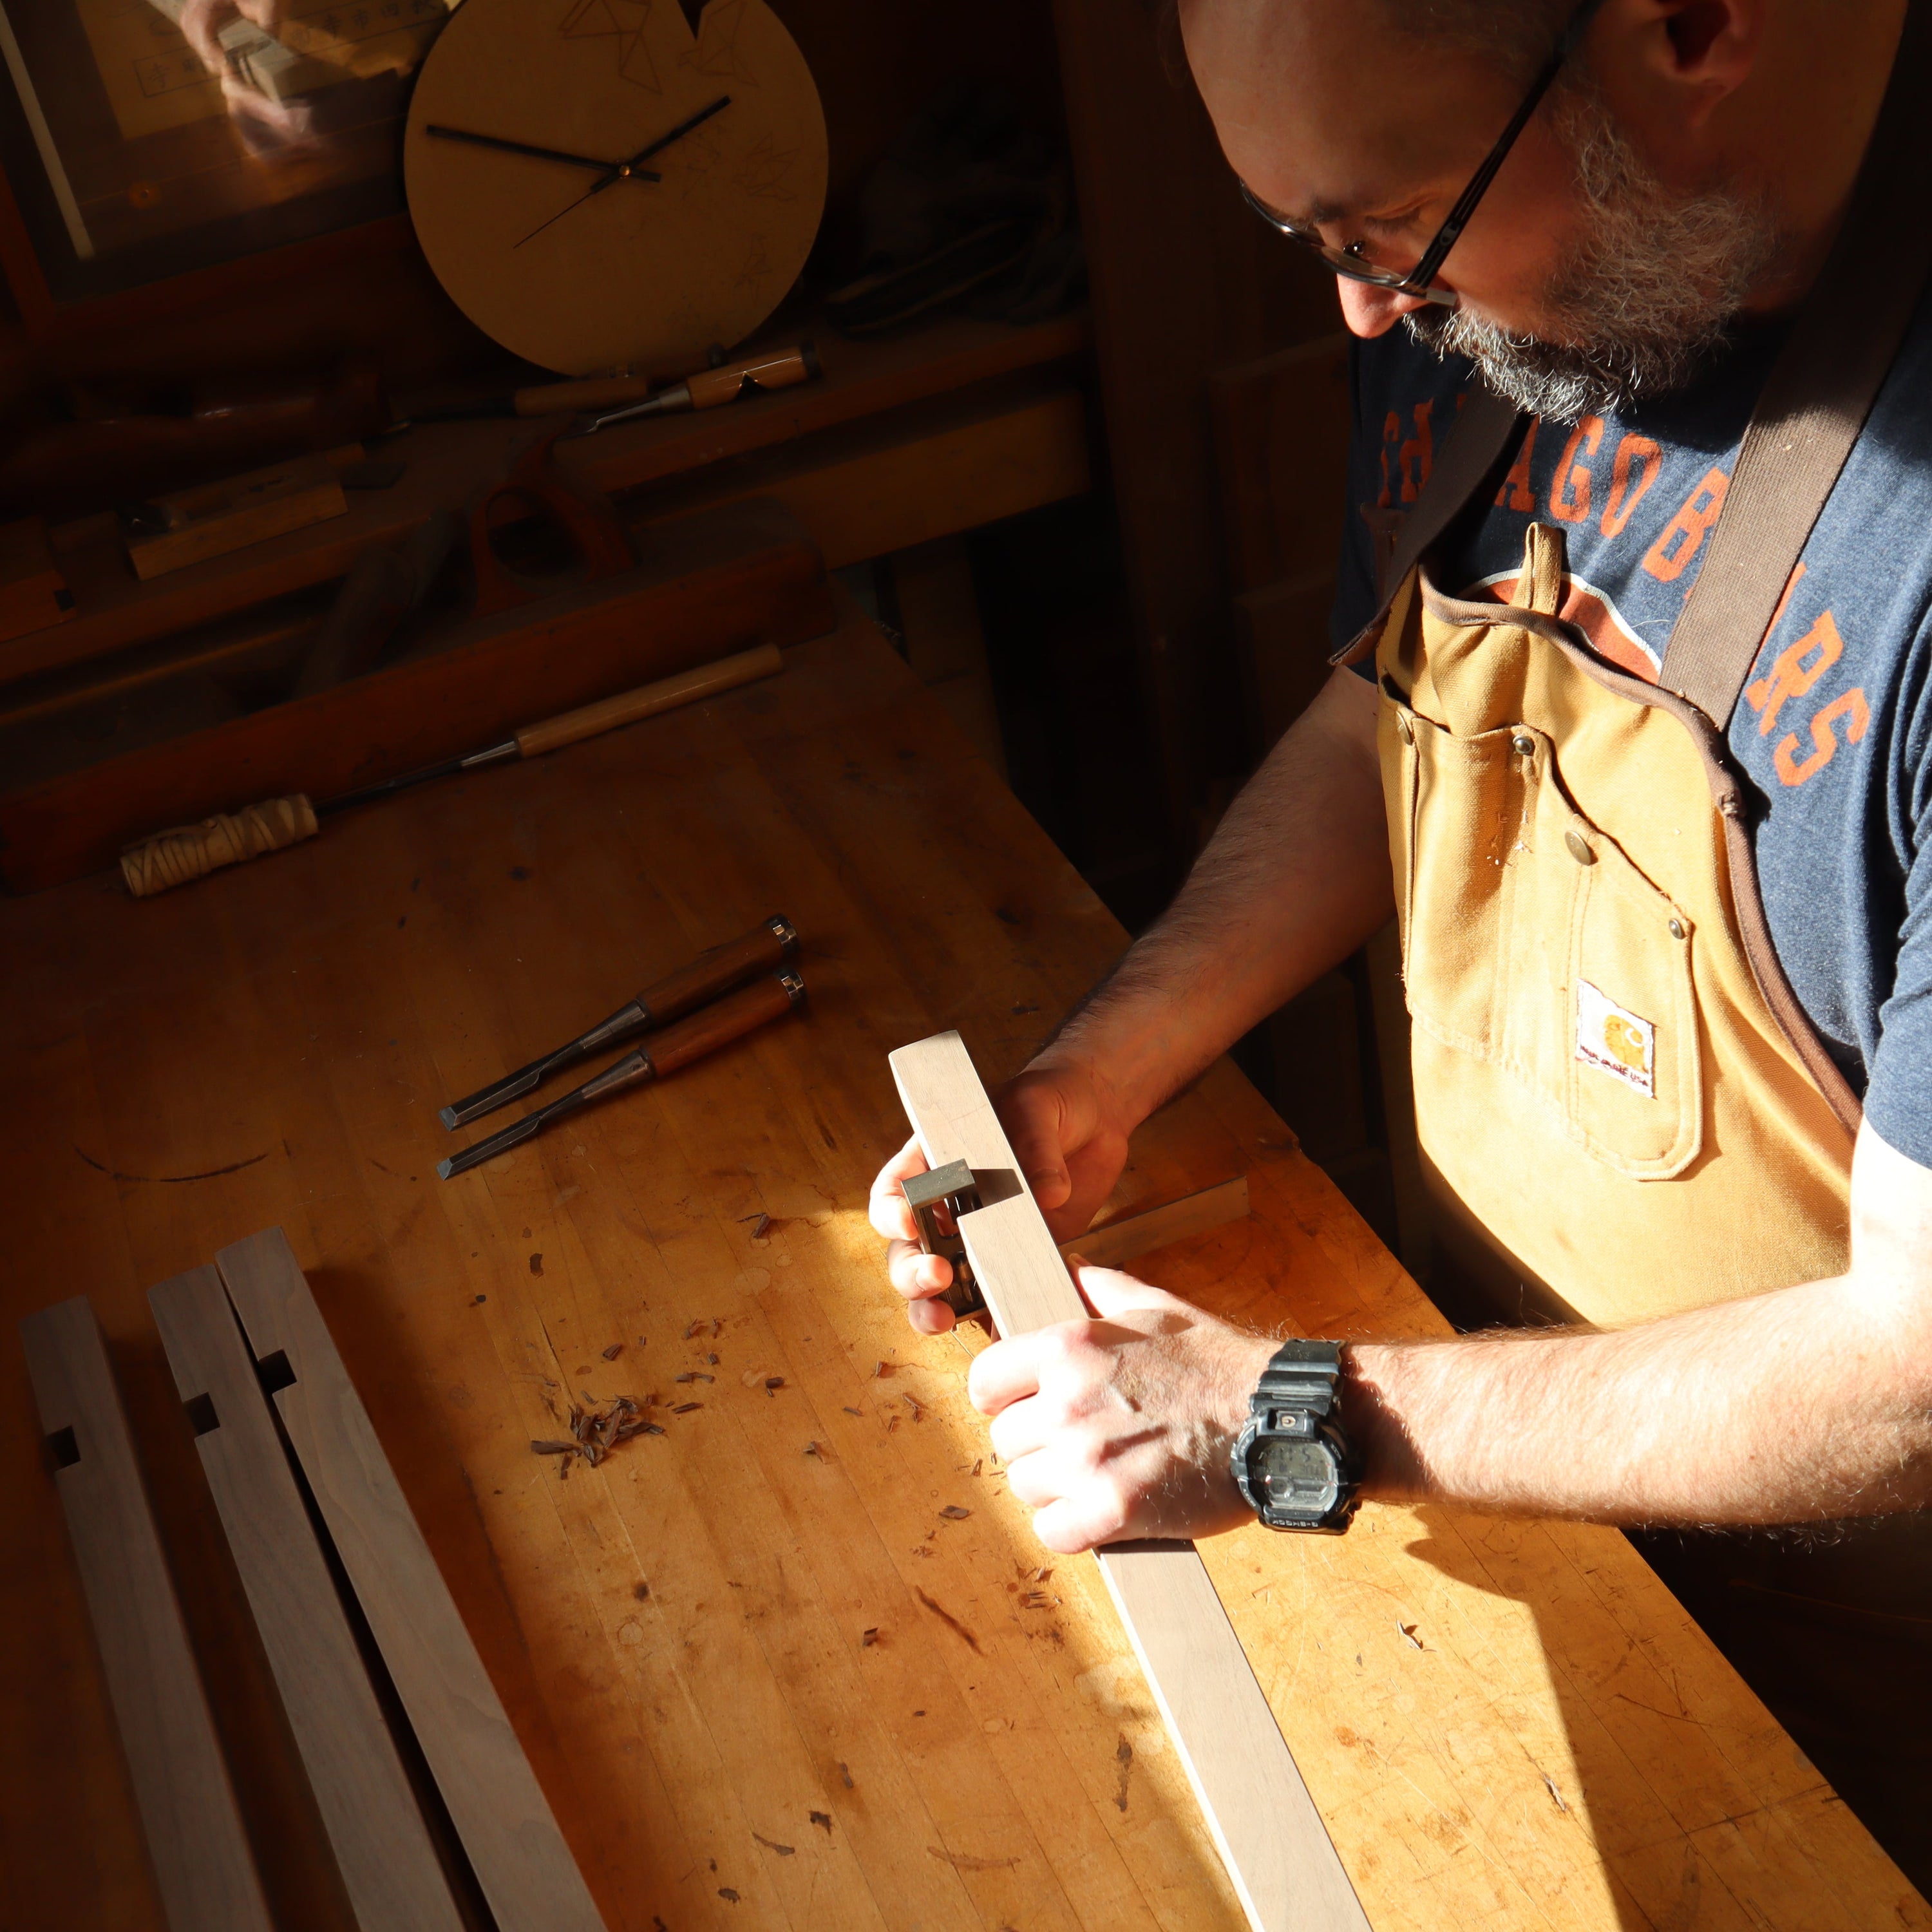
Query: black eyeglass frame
[1421,279]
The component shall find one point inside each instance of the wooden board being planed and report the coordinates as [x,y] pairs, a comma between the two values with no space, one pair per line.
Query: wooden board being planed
[1265,1824]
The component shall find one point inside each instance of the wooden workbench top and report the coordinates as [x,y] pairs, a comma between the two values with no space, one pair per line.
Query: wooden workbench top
[764,1680]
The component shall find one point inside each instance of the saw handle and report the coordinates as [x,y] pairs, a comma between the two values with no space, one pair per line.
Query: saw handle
[717,1025]
[648,699]
[537,486]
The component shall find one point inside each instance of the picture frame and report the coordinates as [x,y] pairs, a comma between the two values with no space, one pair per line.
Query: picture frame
[146,141]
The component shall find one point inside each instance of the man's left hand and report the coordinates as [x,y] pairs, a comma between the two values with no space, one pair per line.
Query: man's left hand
[1119,1427]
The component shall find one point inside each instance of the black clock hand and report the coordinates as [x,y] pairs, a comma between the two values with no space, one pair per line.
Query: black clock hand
[536,153]
[629,168]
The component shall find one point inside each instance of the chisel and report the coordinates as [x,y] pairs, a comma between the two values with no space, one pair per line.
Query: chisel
[165,860]
[678,1045]
[670,998]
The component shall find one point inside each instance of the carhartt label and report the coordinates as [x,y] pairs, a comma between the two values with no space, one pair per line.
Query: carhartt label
[1615,1041]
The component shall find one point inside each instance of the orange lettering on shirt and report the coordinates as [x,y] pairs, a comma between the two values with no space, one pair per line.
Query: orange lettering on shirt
[1636,452]
[1516,494]
[1676,549]
[1570,488]
[1851,707]
[1391,433]
[1416,457]
[1796,670]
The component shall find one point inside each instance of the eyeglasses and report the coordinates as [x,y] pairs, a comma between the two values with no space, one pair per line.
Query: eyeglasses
[1348,261]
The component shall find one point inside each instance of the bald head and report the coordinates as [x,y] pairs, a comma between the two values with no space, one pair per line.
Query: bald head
[1669,135]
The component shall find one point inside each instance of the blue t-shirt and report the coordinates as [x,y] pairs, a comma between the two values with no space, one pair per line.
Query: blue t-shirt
[1834,731]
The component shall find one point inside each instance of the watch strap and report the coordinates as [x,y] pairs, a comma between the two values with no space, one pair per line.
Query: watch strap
[1300,1374]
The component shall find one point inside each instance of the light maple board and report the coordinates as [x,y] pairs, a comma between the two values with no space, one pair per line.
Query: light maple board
[1278,1853]
[519,1856]
[389,1867]
[202,1863]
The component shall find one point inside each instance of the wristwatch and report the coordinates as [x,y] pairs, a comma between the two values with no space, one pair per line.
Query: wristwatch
[1291,1461]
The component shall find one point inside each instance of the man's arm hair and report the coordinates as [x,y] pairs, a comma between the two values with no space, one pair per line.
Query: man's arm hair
[1810,1404]
[1295,878]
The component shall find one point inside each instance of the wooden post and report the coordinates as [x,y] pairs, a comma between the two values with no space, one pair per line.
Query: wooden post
[203,1865]
[520,1860]
[382,1846]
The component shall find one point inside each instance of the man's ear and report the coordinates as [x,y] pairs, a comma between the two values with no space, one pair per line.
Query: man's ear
[1687,56]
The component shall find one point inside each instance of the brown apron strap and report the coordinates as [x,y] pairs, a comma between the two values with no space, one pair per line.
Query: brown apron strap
[1483,434]
[1814,407]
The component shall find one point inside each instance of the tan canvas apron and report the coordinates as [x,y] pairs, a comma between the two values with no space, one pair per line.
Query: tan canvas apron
[1606,1078]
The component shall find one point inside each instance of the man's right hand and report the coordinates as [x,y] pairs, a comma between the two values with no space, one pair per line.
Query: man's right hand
[1069,1131]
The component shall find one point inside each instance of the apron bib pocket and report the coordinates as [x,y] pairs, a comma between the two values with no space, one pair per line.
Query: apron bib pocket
[1532,942]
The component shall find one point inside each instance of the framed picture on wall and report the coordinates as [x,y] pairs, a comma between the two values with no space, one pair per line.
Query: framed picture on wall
[144,139]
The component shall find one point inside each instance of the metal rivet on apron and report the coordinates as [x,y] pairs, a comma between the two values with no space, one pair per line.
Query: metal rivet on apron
[1677,928]
[1404,730]
[1579,848]
[1524,747]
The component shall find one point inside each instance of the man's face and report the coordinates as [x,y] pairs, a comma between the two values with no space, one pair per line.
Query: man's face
[1585,281]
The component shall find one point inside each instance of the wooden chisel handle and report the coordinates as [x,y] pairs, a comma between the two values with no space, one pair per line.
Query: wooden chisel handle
[730,1018]
[761,950]
[784,369]
[648,699]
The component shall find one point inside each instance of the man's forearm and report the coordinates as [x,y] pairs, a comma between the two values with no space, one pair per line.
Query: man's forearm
[1809,1404]
[1296,877]
[1805,1405]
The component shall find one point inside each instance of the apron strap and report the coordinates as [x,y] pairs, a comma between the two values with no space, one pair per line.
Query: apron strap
[1815,404]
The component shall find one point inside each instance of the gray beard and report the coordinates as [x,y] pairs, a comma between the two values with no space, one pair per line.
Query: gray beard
[1645,296]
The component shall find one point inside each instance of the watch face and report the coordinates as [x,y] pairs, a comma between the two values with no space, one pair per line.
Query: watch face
[1299,1479]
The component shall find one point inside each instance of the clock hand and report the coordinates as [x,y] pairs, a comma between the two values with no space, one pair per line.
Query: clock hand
[536,153]
[644,154]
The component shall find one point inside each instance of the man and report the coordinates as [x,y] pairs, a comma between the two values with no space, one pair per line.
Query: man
[1622,1102]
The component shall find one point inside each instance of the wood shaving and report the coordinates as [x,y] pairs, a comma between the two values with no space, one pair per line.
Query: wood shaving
[956,1513]
[866,1640]
[694,1375]
[772,1845]
[596,1431]
[685,1408]
[616,1349]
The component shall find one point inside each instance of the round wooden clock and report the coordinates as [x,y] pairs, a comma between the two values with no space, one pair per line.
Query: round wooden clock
[599,187]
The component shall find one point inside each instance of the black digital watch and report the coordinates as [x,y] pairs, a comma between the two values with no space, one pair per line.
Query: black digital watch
[1291,1461]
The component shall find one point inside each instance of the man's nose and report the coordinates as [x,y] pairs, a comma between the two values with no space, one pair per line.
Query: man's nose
[1370,311]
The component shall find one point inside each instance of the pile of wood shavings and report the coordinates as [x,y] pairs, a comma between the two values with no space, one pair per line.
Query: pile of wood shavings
[594,1432]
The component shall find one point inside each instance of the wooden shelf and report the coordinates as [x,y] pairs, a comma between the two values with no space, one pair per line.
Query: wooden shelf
[115,611]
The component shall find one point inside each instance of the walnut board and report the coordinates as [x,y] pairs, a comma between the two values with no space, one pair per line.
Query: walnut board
[202,1866]
[1265,1824]
[499,1811]
[1505,1725]
[389,1865]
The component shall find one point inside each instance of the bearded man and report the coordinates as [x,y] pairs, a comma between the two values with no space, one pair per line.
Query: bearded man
[1649,786]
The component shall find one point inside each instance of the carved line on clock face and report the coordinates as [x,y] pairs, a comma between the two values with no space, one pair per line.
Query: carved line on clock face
[622,22]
